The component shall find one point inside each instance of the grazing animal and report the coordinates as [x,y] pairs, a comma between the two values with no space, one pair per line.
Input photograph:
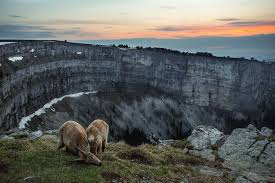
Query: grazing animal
[73,136]
[97,133]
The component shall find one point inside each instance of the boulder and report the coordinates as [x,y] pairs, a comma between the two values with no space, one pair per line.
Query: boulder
[221,141]
[257,148]
[35,134]
[51,132]
[268,156]
[203,137]
[238,143]
[266,132]
[253,157]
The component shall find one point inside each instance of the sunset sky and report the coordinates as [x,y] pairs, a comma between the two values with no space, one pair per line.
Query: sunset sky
[203,25]
[116,19]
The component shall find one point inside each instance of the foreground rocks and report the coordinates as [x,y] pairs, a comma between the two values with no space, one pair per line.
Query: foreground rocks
[248,152]
[202,139]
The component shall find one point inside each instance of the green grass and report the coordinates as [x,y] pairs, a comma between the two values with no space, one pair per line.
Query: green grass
[261,137]
[271,138]
[40,162]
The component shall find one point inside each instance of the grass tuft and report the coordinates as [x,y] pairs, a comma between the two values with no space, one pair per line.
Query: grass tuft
[139,155]
[181,144]
[271,138]
[260,138]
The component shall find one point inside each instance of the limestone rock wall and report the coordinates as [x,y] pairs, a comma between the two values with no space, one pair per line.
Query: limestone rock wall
[54,69]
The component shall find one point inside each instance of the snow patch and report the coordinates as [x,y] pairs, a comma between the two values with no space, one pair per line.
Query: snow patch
[14,59]
[79,53]
[24,121]
[123,48]
[3,43]
[32,50]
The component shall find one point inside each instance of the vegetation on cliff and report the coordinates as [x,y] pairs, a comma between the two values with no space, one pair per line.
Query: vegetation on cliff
[26,160]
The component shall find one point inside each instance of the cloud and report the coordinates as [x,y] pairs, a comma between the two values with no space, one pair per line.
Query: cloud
[251,23]
[17,16]
[21,31]
[25,32]
[30,1]
[74,22]
[168,7]
[168,29]
[77,33]
[228,19]
[124,13]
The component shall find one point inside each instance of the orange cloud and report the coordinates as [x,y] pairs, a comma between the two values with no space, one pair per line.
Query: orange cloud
[196,31]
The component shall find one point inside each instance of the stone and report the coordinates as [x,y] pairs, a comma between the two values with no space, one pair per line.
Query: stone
[185,150]
[266,132]
[51,132]
[257,148]
[166,142]
[19,134]
[222,140]
[241,179]
[204,153]
[209,171]
[29,179]
[238,142]
[268,156]
[6,137]
[253,158]
[35,134]
[203,137]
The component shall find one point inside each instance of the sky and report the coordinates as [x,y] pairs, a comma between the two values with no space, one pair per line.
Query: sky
[80,20]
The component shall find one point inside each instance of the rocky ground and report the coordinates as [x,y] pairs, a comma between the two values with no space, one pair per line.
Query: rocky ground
[247,155]
[247,152]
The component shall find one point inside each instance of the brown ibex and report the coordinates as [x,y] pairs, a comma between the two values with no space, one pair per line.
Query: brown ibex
[73,136]
[97,133]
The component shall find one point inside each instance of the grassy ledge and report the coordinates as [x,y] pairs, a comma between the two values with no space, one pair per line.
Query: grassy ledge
[25,160]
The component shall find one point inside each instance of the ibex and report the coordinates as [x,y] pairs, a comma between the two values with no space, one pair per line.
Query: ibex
[73,136]
[97,133]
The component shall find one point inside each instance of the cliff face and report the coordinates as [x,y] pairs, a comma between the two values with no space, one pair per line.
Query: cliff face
[53,69]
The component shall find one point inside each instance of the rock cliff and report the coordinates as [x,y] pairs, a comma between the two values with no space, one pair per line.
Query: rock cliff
[227,92]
